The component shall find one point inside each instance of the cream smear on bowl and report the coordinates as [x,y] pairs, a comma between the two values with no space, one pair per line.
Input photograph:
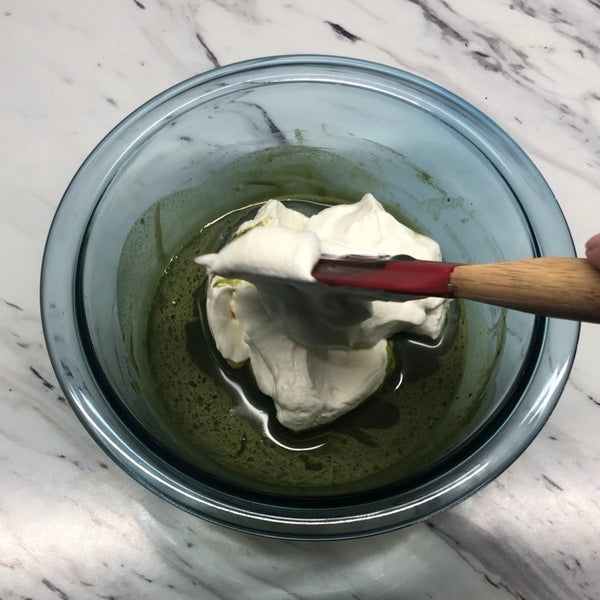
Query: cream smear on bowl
[316,351]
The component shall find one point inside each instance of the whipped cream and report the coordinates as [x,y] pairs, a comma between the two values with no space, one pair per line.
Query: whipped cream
[317,350]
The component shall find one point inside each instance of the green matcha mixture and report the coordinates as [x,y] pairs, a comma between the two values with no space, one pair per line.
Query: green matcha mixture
[214,409]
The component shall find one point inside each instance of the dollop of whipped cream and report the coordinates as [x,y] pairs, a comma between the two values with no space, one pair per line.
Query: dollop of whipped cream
[316,350]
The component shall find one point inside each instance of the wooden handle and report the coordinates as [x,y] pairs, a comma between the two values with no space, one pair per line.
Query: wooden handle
[567,288]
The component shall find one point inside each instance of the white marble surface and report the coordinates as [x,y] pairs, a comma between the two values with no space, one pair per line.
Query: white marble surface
[73,525]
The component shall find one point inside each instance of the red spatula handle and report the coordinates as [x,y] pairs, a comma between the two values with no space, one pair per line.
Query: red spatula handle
[568,288]
[419,277]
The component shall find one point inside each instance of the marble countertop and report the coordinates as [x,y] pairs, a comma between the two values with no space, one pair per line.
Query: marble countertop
[72,524]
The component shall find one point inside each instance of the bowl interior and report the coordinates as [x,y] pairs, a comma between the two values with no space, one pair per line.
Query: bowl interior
[216,149]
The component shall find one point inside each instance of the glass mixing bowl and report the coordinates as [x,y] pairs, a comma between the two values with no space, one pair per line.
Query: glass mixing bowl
[291,126]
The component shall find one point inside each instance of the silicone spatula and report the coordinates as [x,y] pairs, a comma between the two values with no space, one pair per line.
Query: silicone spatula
[567,288]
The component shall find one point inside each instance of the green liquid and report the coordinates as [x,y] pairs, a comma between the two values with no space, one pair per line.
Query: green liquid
[222,422]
